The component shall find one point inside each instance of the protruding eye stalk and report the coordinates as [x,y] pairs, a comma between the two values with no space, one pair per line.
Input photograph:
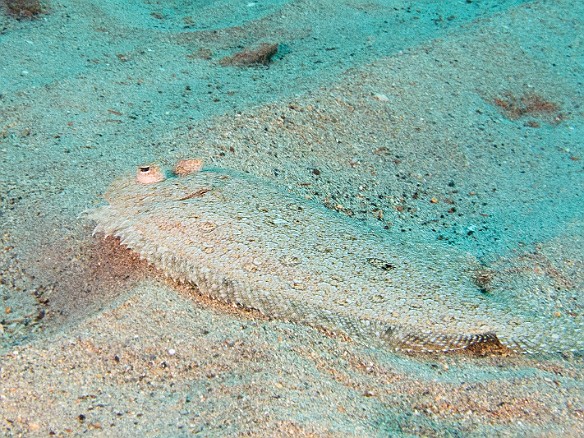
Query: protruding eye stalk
[149,174]
[186,167]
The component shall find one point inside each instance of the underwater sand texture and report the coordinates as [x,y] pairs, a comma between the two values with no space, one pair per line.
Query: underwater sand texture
[75,116]
[244,241]
[154,364]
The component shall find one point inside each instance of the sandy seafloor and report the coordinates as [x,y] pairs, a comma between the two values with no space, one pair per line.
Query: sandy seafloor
[458,123]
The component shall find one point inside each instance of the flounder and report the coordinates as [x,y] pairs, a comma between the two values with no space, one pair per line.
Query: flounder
[246,241]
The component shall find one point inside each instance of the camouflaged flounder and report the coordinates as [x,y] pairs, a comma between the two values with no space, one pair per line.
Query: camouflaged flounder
[245,241]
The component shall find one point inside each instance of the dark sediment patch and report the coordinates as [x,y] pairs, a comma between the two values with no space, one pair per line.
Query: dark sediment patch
[24,9]
[262,55]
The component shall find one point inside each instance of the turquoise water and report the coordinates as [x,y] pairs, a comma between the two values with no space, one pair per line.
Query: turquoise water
[318,42]
[144,60]
[452,124]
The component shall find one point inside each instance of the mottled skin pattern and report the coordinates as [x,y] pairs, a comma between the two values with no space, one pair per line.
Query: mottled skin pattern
[244,241]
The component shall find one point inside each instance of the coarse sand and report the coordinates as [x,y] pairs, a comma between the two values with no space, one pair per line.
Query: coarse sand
[458,123]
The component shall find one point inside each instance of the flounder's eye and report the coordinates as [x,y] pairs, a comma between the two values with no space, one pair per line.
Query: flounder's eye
[149,174]
[186,167]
